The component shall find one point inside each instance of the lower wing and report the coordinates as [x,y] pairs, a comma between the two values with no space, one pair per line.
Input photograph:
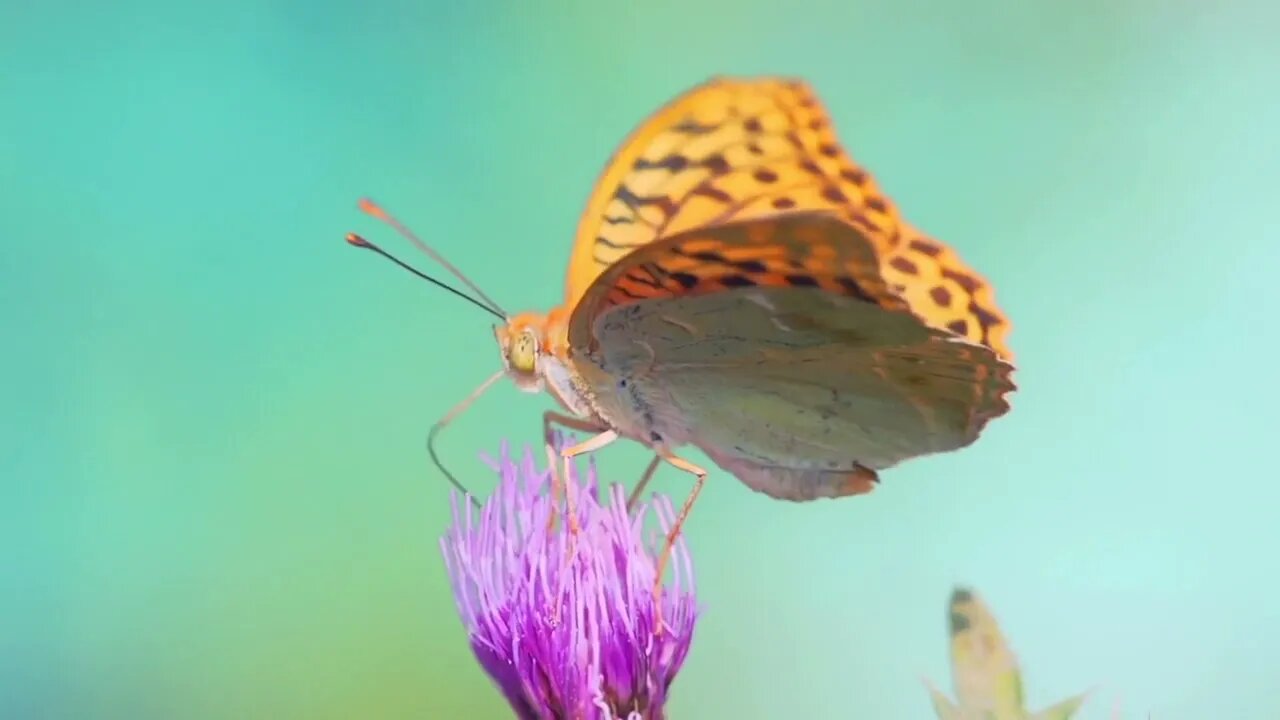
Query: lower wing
[795,389]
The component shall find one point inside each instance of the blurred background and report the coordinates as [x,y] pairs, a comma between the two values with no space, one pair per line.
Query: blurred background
[215,498]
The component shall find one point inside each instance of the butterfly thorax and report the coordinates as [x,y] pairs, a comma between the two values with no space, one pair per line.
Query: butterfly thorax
[575,378]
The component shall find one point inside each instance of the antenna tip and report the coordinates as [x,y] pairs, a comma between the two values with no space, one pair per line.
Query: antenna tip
[356,241]
[372,208]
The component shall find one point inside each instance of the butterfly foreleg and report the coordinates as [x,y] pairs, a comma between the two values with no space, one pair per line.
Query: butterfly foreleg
[559,484]
[568,454]
[699,475]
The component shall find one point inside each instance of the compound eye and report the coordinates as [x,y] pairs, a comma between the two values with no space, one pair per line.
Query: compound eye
[524,352]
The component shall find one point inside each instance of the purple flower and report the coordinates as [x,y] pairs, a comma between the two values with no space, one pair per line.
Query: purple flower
[566,626]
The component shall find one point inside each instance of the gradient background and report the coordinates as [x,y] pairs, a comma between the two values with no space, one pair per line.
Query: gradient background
[215,498]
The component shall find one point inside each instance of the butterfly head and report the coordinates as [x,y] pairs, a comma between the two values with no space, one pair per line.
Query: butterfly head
[522,343]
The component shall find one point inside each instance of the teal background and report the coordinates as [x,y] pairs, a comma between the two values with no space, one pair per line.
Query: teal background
[215,499]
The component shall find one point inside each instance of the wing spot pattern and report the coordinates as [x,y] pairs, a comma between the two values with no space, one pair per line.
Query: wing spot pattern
[686,280]
[736,281]
[756,255]
[904,265]
[701,165]
[727,126]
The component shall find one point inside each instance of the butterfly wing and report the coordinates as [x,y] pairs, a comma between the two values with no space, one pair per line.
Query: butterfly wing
[729,148]
[778,348]
[944,291]
[736,149]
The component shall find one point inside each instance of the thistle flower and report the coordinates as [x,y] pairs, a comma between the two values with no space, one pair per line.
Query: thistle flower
[565,625]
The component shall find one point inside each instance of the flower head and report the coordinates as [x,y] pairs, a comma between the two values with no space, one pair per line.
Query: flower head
[565,625]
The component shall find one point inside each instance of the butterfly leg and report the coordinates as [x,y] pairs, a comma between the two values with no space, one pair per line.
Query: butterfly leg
[700,476]
[644,481]
[558,483]
[569,454]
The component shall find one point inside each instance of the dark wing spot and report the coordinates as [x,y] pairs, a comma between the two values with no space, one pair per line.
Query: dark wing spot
[966,281]
[685,279]
[854,175]
[716,164]
[852,288]
[783,203]
[929,249]
[754,148]
[765,175]
[714,193]
[904,265]
[708,256]
[877,204]
[690,126]
[737,281]
[862,220]
[631,200]
[802,280]
[752,125]
[829,150]
[834,194]
[611,244]
[958,327]
[675,163]
[985,318]
[711,256]
[941,295]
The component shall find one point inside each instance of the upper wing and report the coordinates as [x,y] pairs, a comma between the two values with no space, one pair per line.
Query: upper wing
[735,149]
[945,292]
[729,148]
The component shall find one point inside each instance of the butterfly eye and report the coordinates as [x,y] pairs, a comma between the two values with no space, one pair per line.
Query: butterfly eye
[524,351]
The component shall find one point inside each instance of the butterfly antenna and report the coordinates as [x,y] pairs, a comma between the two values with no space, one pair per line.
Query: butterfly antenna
[370,207]
[448,417]
[357,241]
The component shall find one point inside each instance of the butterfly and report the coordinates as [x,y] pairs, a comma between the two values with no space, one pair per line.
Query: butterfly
[738,284]
[988,683]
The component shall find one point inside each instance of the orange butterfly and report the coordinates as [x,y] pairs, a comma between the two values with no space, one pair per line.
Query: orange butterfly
[737,283]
